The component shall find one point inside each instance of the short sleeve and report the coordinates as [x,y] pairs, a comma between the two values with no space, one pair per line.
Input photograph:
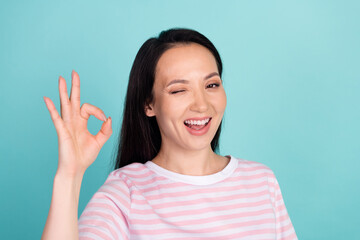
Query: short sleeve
[284,227]
[107,213]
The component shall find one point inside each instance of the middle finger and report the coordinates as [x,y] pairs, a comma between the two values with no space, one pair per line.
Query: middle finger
[75,92]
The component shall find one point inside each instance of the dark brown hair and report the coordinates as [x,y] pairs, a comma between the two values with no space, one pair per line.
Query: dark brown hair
[140,139]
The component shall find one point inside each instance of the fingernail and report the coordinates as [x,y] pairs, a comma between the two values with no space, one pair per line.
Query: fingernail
[109,117]
[104,117]
[72,74]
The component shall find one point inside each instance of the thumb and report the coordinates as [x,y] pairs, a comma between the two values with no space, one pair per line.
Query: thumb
[105,132]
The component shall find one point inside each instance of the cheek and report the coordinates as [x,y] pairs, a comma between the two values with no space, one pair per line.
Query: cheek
[171,110]
[174,106]
[221,102]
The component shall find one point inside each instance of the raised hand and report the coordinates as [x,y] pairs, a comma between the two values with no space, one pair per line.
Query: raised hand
[78,148]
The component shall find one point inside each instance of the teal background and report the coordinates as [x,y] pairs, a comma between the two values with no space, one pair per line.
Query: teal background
[291,73]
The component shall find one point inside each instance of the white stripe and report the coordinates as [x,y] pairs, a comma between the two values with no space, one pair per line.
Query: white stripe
[135,171]
[206,215]
[88,234]
[288,232]
[104,231]
[201,204]
[95,217]
[137,181]
[211,234]
[193,196]
[226,184]
[212,224]
[115,198]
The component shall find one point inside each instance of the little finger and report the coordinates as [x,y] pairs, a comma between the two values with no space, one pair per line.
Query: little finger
[105,132]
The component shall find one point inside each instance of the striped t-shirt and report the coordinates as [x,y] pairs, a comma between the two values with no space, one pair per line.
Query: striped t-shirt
[146,201]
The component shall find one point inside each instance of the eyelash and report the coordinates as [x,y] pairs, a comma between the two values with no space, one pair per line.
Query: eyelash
[215,84]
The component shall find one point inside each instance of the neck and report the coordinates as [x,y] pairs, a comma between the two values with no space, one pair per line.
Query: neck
[195,163]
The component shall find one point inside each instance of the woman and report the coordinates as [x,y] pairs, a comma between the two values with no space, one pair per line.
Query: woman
[168,182]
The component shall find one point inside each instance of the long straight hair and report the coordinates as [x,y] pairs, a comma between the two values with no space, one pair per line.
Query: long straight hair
[139,138]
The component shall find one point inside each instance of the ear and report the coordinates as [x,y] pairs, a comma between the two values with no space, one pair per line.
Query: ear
[149,110]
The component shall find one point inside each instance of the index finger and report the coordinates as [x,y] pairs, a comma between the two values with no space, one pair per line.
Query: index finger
[75,91]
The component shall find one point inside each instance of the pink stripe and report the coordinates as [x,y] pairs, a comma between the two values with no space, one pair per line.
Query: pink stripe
[243,168]
[235,235]
[99,224]
[114,210]
[208,230]
[135,175]
[86,238]
[139,177]
[202,210]
[117,186]
[207,220]
[173,202]
[280,208]
[179,184]
[285,228]
[100,221]
[204,190]
[123,188]
[283,218]
[136,167]
[152,180]
[255,176]
[115,195]
[96,232]
[290,237]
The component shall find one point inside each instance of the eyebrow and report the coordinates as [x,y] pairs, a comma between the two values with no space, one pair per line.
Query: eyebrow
[186,81]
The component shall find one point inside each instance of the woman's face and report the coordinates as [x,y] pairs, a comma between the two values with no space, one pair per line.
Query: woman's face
[188,97]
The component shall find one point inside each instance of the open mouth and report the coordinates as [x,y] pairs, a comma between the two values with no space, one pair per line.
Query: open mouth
[197,124]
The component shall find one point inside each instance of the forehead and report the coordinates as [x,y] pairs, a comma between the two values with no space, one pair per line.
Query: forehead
[185,61]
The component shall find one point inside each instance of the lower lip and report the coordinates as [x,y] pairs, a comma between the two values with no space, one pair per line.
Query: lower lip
[199,132]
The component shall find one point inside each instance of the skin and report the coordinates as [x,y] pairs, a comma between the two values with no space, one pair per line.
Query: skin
[182,152]
[78,149]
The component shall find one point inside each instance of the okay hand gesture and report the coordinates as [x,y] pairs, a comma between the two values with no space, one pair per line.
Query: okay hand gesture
[78,148]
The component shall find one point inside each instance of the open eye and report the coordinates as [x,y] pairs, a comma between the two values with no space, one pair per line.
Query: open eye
[213,85]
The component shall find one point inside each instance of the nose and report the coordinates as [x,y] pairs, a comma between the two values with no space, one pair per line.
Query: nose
[200,102]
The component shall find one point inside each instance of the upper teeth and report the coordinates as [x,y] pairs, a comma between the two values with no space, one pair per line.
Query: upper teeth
[197,122]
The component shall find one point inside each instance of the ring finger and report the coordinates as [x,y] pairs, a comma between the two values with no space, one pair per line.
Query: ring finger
[65,106]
